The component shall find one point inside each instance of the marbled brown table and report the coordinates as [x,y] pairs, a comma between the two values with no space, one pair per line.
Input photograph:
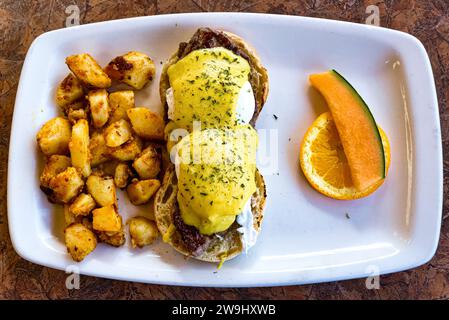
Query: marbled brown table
[23,20]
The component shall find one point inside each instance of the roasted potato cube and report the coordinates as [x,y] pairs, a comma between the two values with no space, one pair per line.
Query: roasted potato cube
[134,68]
[55,164]
[80,104]
[99,107]
[140,192]
[87,70]
[79,240]
[117,133]
[66,185]
[76,105]
[86,221]
[108,168]
[69,90]
[79,147]
[119,102]
[54,136]
[127,151]
[106,219]
[99,152]
[102,189]
[75,115]
[146,124]
[122,175]
[142,231]
[115,239]
[82,205]
[69,217]
[148,163]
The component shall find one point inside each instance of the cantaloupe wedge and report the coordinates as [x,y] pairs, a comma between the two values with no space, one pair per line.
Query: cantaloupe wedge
[358,131]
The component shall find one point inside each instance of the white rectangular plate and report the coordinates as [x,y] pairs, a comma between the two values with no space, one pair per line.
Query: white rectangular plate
[306,237]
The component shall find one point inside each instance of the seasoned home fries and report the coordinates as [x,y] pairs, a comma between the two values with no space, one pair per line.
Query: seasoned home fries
[102,142]
[134,68]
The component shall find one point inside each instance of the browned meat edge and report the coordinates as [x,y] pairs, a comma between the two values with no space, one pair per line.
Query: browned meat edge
[193,240]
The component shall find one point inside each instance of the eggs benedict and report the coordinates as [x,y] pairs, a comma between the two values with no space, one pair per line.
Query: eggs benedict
[210,205]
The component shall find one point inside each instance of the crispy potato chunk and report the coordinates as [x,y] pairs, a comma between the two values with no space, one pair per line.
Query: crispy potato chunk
[87,222]
[140,192]
[143,231]
[79,240]
[55,164]
[54,136]
[117,133]
[80,104]
[134,68]
[120,102]
[122,175]
[87,70]
[82,205]
[79,147]
[127,151]
[69,217]
[66,185]
[69,90]
[102,189]
[106,219]
[75,115]
[98,150]
[108,168]
[146,124]
[115,239]
[99,107]
[148,163]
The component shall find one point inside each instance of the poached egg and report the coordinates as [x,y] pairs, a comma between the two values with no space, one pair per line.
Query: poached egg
[246,104]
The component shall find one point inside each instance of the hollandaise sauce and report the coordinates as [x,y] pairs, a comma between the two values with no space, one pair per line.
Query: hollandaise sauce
[205,86]
[216,176]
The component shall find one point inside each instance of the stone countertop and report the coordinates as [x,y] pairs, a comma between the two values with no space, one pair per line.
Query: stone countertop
[22,21]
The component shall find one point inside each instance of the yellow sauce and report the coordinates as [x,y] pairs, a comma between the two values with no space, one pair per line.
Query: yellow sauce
[206,84]
[216,176]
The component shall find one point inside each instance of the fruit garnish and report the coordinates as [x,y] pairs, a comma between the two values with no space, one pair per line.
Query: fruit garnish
[358,131]
[325,165]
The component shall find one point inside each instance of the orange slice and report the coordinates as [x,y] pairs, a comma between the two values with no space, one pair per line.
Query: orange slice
[324,163]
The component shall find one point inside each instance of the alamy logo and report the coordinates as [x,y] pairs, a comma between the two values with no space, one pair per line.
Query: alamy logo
[73,18]
[373,15]
[373,280]
[73,279]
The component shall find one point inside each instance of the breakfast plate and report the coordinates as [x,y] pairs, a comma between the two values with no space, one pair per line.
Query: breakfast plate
[306,237]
